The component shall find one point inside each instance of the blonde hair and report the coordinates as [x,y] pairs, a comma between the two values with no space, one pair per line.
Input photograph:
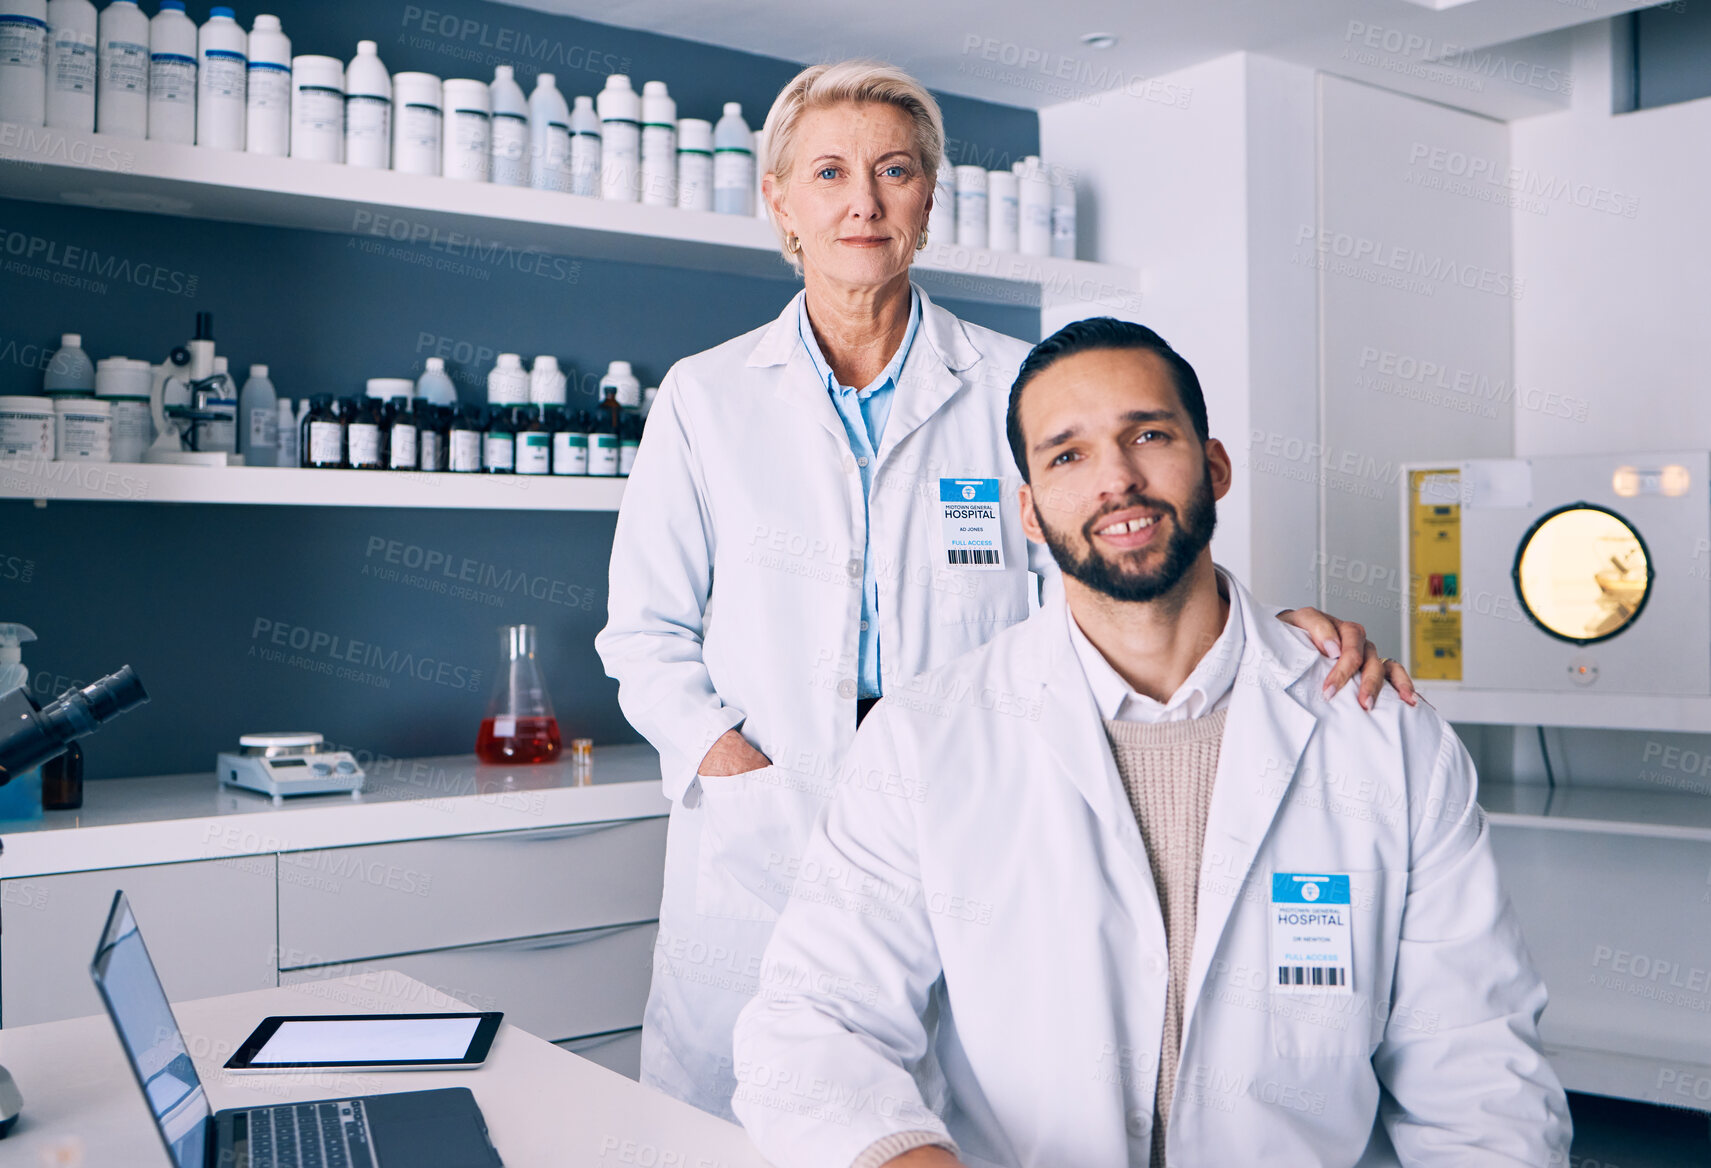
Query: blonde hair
[819,86]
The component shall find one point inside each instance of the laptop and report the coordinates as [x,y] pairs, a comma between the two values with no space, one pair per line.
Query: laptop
[411,1129]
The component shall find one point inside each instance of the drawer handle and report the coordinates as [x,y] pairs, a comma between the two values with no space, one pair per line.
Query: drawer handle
[547,834]
[560,940]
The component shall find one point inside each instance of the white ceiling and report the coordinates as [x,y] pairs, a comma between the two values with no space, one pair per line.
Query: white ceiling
[1030,54]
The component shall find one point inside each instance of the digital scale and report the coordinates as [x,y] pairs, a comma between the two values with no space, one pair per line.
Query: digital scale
[289,763]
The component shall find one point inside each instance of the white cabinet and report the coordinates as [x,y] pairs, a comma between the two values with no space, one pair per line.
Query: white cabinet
[380,900]
[210,925]
[564,986]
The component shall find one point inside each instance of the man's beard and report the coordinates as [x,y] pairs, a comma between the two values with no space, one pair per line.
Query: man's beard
[1190,534]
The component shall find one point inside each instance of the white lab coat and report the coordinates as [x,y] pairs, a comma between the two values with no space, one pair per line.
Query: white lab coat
[736,599]
[997,885]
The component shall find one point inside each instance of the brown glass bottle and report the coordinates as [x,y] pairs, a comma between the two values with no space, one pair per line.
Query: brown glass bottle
[62,781]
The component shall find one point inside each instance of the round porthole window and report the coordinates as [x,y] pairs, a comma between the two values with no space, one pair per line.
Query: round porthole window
[1583,573]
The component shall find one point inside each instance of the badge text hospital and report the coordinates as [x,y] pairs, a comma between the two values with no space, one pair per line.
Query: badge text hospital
[973,534]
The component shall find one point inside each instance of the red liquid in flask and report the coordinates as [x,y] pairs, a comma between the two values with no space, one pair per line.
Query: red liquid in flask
[526,740]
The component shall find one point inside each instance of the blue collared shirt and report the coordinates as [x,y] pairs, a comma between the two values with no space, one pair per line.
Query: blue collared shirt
[864,412]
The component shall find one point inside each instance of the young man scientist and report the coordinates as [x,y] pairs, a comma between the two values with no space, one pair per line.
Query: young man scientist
[1125,888]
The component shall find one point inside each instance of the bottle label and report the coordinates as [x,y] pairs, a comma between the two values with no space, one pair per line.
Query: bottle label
[364,439]
[733,170]
[499,452]
[1063,222]
[570,454]
[318,110]
[428,450]
[584,176]
[510,150]
[602,454]
[368,118]
[223,74]
[694,180]
[172,79]
[401,455]
[627,456]
[419,127]
[534,453]
[23,40]
[466,450]
[326,443]
[264,427]
[124,67]
[73,63]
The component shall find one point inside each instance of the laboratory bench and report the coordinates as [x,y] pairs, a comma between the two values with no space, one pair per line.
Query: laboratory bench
[511,888]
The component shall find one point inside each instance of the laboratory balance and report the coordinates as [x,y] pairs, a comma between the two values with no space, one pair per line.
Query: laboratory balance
[1572,573]
[288,763]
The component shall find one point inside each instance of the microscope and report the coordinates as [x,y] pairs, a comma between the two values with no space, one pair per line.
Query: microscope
[31,735]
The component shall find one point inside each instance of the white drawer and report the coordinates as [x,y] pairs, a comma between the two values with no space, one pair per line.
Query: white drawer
[348,904]
[556,987]
[209,926]
[621,1052]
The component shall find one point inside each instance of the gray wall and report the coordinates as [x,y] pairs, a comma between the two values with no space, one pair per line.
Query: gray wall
[194,596]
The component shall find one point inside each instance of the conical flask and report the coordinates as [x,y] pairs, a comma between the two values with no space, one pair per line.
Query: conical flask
[519,727]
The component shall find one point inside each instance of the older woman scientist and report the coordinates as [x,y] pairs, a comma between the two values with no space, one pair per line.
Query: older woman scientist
[802,532]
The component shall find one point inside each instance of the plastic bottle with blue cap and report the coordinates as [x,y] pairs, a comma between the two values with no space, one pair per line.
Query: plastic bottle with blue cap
[172,75]
[222,80]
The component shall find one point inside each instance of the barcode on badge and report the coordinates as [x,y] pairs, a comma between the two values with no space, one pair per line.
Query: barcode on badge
[972,555]
[1329,976]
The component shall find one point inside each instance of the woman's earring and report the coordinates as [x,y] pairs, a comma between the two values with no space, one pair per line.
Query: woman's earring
[921,243]
[792,244]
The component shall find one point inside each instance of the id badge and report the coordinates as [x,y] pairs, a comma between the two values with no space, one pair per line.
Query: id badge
[968,509]
[1310,948]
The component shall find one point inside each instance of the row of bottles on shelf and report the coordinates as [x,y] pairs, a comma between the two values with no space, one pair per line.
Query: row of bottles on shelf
[170,80]
[188,409]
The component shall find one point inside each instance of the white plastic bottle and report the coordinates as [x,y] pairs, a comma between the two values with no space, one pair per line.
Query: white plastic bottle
[1001,210]
[221,435]
[659,146]
[286,426]
[620,141]
[172,75]
[122,84]
[585,149]
[508,382]
[69,370]
[734,183]
[509,130]
[222,74]
[267,101]
[695,164]
[941,220]
[368,109]
[465,153]
[1063,213]
[317,108]
[417,123]
[435,386]
[23,61]
[620,378]
[258,420]
[546,382]
[549,136]
[971,212]
[72,35]
[1034,208]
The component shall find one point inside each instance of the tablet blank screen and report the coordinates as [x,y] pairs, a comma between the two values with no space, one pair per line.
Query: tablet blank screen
[384,1040]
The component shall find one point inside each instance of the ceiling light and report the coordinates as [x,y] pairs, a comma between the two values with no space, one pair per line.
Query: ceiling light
[1099,40]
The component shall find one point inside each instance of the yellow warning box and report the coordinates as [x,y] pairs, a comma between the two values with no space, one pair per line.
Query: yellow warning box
[1434,568]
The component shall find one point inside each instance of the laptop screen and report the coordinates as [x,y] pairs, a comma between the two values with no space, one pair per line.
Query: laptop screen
[149,1033]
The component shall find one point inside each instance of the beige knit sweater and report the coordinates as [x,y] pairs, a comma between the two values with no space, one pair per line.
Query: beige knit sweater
[1168,769]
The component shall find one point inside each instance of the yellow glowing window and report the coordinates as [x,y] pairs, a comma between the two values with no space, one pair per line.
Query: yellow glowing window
[1583,573]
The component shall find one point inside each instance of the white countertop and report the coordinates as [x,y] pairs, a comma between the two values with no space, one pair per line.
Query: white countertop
[171,818]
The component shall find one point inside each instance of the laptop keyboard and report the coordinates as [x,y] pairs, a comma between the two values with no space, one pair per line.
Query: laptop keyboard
[307,1135]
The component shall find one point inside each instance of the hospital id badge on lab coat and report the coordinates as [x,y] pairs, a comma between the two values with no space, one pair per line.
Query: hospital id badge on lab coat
[1310,948]
[969,512]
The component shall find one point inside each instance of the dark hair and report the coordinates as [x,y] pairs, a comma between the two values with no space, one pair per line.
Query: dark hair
[1102,332]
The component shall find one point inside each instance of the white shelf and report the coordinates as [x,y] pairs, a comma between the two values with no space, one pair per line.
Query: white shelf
[479,224]
[1595,711]
[1681,815]
[139,482]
